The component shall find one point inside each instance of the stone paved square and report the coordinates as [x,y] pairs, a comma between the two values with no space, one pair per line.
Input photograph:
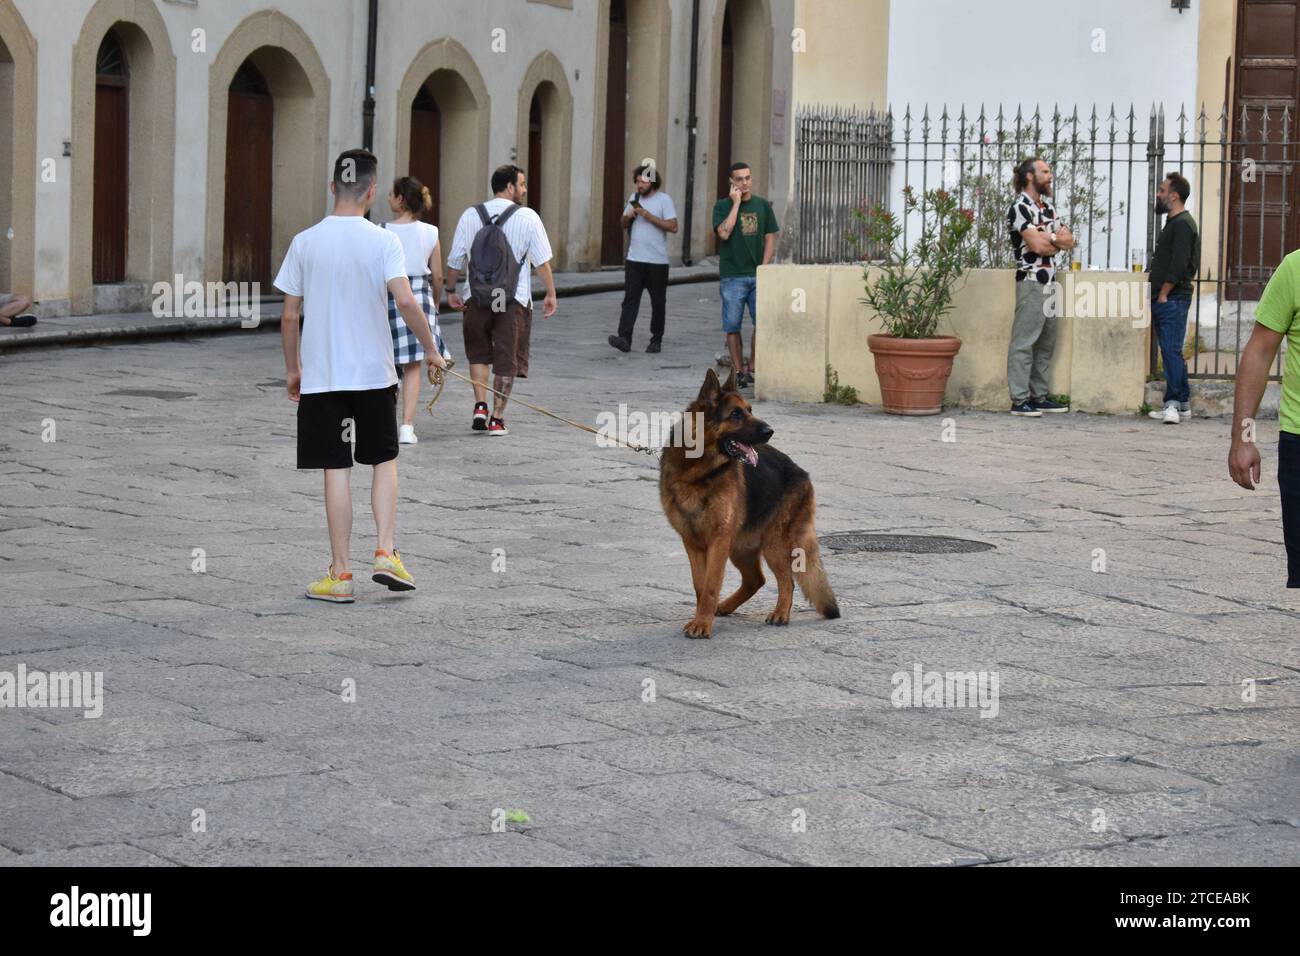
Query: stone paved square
[1124,734]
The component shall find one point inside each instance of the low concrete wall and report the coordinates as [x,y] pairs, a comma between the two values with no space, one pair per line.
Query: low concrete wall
[813,316]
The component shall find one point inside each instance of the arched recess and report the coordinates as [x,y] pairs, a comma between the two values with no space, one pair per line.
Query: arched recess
[549,184]
[284,56]
[17,154]
[750,113]
[151,150]
[648,34]
[444,72]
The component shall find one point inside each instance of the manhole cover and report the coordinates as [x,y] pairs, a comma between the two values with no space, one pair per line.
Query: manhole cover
[909,543]
[166,394]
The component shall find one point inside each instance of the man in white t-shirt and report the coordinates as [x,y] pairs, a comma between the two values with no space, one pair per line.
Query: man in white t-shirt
[649,216]
[340,273]
[499,338]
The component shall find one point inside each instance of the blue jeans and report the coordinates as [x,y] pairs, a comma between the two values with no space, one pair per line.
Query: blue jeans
[1170,321]
[737,292]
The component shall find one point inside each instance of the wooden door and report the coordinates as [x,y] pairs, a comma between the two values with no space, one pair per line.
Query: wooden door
[535,153]
[250,128]
[1261,222]
[617,184]
[112,186]
[426,144]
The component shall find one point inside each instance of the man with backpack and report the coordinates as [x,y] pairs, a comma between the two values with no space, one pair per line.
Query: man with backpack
[503,241]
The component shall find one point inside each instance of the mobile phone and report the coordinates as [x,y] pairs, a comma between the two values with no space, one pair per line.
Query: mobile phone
[635,202]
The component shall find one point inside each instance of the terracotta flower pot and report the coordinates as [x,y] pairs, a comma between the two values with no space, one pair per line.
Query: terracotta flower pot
[913,372]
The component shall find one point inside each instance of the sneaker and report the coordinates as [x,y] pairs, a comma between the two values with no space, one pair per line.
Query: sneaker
[24,321]
[722,360]
[1026,410]
[620,343]
[406,435]
[1048,406]
[480,416]
[1184,412]
[744,379]
[389,571]
[1170,415]
[653,347]
[497,427]
[331,588]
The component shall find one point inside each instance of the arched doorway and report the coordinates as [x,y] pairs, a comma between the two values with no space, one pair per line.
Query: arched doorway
[112,185]
[18,170]
[268,164]
[536,175]
[250,128]
[426,149]
[726,99]
[615,173]
[123,156]
[450,156]
[742,98]
[545,140]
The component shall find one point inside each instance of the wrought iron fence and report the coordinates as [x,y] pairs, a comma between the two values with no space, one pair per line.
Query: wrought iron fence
[1106,168]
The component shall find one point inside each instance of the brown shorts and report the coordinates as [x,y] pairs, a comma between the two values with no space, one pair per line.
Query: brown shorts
[499,339]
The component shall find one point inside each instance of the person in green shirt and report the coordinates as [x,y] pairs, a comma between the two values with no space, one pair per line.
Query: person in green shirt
[746,228]
[1276,317]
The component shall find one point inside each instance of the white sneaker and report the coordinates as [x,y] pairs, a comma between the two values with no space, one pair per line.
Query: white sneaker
[1184,414]
[406,435]
[1171,415]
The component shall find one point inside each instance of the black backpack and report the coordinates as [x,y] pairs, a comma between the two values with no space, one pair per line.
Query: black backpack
[493,270]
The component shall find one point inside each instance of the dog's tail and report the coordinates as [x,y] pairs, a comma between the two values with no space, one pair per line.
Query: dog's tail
[812,580]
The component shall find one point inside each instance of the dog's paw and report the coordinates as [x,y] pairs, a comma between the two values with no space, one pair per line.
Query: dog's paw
[779,619]
[698,627]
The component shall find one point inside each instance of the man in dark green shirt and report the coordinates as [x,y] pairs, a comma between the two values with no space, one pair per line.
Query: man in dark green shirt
[746,228]
[1173,266]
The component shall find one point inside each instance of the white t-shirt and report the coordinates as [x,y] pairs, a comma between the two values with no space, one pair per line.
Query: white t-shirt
[418,239]
[649,243]
[341,267]
[525,232]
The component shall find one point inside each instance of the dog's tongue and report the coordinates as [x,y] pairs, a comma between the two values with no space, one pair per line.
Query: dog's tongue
[751,456]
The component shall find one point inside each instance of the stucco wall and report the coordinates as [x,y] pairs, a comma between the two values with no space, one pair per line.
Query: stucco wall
[813,316]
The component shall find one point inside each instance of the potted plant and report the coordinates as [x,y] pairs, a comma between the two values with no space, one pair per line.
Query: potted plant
[911,290]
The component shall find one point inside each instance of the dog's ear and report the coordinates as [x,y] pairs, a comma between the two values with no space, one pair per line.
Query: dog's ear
[730,384]
[711,390]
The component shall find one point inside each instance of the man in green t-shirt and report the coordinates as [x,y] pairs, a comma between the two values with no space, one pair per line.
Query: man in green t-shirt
[746,228]
[1276,317]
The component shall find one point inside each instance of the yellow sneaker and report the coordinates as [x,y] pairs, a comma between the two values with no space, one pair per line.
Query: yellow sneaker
[331,588]
[389,571]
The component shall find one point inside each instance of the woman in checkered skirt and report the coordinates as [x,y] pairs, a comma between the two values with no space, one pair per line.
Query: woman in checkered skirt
[409,200]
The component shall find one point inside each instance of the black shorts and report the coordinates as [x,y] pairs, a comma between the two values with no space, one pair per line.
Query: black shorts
[329,422]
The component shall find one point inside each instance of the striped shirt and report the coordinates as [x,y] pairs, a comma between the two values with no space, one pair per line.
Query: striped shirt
[525,233]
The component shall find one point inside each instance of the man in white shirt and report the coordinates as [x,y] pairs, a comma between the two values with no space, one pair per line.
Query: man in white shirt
[649,216]
[499,338]
[342,271]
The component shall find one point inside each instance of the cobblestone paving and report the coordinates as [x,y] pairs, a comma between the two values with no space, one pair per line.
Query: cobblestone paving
[1123,731]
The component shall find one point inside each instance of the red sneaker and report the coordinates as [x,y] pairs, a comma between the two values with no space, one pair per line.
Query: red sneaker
[497,427]
[480,417]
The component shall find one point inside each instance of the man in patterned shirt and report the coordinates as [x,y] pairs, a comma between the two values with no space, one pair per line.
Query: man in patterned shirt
[1036,237]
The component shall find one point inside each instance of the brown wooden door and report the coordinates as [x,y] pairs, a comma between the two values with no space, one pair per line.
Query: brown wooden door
[617,185]
[1262,226]
[426,144]
[726,96]
[249,130]
[108,256]
[535,154]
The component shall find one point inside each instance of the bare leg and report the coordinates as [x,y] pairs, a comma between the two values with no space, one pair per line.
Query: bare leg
[16,307]
[383,502]
[503,384]
[736,345]
[479,375]
[338,515]
[410,392]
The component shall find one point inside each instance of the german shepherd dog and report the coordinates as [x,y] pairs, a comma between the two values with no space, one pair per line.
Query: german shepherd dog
[741,498]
